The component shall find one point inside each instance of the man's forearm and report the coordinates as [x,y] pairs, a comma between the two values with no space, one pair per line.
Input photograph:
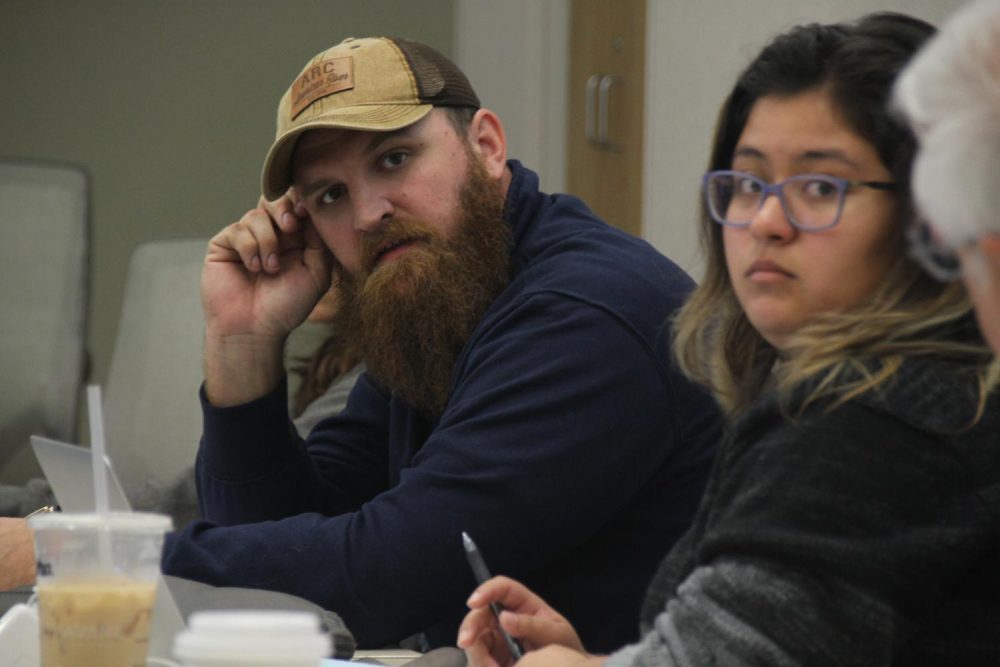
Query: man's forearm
[17,554]
[239,369]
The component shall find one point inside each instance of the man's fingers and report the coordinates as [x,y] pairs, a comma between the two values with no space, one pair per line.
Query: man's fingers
[234,244]
[283,211]
[258,242]
[261,227]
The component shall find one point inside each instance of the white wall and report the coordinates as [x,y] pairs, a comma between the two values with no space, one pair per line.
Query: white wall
[514,53]
[695,50]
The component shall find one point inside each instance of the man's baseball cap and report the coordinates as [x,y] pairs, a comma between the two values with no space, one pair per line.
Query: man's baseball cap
[371,83]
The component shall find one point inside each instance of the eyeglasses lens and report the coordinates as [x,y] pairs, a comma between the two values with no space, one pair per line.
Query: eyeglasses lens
[811,202]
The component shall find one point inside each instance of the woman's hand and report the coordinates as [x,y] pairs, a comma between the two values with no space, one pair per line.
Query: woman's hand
[560,656]
[526,617]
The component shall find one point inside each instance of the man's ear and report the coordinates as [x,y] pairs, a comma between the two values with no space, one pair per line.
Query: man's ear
[487,139]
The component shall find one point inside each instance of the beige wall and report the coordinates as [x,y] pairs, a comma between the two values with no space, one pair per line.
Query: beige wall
[168,105]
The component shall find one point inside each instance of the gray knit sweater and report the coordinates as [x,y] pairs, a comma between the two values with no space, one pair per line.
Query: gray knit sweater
[865,535]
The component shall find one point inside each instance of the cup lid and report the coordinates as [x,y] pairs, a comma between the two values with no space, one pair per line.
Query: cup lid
[135,521]
[252,636]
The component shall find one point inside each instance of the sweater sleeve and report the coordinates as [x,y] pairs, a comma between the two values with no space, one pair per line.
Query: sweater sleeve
[560,416]
[829,542]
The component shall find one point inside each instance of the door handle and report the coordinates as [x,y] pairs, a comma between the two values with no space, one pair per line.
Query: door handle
[588,107]
[604,93]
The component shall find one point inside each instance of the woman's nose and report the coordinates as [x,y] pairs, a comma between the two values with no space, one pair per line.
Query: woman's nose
[770,221]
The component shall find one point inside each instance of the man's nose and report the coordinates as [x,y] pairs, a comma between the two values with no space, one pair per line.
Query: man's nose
[372,206]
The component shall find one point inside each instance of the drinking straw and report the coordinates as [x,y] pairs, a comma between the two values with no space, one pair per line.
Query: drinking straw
[100,474]
[97,449]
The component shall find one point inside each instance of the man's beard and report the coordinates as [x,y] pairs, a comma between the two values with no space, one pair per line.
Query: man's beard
[412,316]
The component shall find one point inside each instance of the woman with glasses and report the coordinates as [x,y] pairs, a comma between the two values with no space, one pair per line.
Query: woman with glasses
[951,94]
[853,515]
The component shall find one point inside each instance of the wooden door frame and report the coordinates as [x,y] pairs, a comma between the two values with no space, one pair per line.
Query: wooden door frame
[533,105]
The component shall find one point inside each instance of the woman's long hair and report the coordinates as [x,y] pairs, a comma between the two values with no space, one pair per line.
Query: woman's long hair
[840,354]
[336,356]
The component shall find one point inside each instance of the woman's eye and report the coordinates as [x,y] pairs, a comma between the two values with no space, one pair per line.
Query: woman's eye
[747,186]
[333,194]
[819,189]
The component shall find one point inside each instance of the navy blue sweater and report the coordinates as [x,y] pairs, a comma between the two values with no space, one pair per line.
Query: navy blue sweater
[570,449]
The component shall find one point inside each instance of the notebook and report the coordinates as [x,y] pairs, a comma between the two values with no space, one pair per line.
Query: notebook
[68,469]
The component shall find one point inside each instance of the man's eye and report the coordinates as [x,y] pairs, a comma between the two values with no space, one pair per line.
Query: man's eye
[333,194]
[394,159]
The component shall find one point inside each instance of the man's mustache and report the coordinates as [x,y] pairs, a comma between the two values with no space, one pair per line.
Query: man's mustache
[390,233]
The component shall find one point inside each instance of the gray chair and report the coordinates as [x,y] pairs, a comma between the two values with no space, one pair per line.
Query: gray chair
[152,414]
[43,301]
[151,410]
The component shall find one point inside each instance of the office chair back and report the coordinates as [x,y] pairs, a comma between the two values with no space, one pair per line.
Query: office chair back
[151,408]
[43,303]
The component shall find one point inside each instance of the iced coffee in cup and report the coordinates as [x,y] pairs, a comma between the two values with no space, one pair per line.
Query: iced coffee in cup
[97,577]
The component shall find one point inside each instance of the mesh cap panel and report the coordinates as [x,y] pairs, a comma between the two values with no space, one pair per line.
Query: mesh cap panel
[439,82]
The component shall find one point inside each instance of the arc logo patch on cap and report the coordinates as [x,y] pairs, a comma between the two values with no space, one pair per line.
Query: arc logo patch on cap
[326,77]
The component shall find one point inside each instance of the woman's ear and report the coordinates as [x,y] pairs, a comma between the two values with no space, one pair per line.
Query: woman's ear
[487,139]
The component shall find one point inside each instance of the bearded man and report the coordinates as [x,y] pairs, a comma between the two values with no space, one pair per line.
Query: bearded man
[519,386]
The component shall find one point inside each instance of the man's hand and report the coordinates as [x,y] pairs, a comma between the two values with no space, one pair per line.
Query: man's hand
[261,278]
[17,554]
[526,617]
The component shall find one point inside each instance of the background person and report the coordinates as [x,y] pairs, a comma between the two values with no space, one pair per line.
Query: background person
[325,362]
[951,94]
[851,516]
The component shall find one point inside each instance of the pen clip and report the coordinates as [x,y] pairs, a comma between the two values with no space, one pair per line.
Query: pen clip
[45,509]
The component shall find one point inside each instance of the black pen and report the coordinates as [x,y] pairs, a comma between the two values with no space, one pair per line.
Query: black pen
[482,575]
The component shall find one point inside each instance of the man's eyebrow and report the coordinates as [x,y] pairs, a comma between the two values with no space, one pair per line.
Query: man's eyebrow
[309,188]
[373,145]
[382,137]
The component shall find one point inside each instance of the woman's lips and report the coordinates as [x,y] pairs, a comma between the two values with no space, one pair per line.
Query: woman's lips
[764,270]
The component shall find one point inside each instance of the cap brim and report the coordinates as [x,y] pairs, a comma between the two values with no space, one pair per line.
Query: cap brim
[276,175]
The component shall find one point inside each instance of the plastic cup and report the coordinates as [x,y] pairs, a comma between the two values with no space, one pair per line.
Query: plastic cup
[252,638]
[97,577]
